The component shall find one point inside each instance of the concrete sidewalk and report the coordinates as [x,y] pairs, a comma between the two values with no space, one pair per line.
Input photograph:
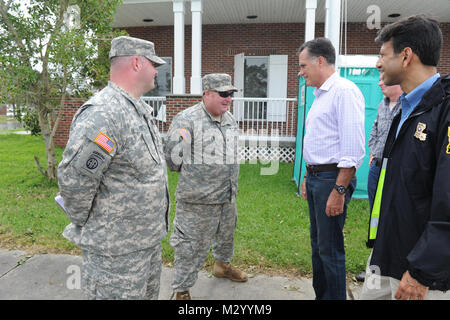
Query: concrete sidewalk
[56,277]
[15,132]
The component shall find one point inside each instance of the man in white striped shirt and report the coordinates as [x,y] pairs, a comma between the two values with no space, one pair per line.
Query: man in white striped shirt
[333,150]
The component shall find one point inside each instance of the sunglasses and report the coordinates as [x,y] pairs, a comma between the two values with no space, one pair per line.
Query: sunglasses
[225,94]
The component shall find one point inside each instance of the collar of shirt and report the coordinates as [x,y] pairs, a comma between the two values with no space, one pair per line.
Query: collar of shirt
[327,84]
[225,120]
[141,107]
[411,100]
[398,105]
[334,126]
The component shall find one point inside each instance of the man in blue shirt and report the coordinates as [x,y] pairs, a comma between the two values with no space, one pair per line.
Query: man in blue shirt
[411,100]
[411,251]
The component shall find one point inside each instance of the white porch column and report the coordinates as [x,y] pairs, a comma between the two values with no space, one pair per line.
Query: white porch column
[310,22]
[333,24]
[196,69]
[179,85]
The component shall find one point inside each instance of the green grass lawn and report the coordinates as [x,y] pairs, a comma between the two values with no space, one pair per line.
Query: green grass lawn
[273,223]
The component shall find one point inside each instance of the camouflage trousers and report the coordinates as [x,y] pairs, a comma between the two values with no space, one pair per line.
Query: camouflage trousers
[196,228]
[132,276]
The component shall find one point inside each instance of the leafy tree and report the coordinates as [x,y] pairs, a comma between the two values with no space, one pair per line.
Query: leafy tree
[53,50]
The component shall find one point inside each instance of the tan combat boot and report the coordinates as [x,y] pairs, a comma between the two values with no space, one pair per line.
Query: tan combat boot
[226,270]
[185,295]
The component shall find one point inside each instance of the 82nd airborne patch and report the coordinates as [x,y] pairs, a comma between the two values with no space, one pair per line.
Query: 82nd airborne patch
[94,162]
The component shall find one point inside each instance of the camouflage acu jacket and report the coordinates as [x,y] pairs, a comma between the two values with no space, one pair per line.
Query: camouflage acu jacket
[113,176]
[204,151]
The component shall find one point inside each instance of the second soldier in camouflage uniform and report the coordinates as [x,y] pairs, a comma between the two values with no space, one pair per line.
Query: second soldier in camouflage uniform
[202,146]
[113,180]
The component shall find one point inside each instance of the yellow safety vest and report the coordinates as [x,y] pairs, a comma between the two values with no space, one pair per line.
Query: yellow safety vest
[375,214]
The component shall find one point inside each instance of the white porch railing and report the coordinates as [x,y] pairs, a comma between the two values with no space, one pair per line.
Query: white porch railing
[159,110]
[268,117]
[267,126]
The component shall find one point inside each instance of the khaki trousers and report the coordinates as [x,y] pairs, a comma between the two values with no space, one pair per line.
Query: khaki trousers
[377,287]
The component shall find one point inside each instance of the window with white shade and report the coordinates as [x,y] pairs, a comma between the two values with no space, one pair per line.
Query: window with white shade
[255,86]
[261,77]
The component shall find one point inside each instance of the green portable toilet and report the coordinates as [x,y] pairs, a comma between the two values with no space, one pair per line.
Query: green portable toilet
[366,78]
[304,102]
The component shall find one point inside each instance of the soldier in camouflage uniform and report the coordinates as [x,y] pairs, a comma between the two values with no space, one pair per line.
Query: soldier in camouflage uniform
[113,180]
[202,146]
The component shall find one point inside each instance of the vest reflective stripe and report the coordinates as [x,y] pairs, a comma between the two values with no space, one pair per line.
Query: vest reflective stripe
[375,214]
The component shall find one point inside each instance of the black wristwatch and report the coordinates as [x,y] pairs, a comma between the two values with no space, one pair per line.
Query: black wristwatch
[340,189]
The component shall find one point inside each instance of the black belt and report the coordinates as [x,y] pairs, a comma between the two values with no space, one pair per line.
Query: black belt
[321,167]
[378,161]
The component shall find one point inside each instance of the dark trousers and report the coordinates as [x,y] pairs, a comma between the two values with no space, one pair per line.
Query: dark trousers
[327,239]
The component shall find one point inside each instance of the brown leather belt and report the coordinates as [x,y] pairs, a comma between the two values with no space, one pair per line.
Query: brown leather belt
[321,167]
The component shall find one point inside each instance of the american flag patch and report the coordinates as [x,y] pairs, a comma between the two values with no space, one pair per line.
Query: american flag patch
[105,142]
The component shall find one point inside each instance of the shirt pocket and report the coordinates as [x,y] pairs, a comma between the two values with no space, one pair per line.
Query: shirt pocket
[151,145]
[143,156]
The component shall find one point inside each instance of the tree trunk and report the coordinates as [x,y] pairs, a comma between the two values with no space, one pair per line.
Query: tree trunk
[44,123]
[48,124]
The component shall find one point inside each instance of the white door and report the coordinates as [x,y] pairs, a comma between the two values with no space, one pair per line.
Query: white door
[277,87]
[238,106]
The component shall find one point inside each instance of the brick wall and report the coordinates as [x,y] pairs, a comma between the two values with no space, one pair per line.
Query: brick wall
[62,132]
[221,42]
[3,110]
[174,104]
[444,62]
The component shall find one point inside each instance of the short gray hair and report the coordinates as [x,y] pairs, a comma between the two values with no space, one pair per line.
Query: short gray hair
[320,47]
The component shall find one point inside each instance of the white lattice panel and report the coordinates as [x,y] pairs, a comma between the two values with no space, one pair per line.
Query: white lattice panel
[283,154]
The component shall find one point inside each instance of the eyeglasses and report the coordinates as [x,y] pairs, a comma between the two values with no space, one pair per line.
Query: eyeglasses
[225,94]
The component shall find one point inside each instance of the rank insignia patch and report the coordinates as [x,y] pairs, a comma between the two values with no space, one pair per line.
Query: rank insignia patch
[105,142]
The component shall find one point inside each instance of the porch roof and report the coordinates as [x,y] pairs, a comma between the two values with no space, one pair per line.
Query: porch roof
[132,12]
